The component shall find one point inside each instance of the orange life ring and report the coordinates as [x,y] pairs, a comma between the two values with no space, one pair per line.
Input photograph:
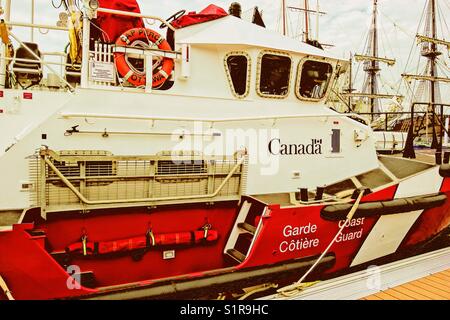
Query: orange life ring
[136,77]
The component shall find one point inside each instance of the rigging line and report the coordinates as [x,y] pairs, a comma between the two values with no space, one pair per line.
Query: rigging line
[442,15]
[299,24]
[383,30]
[383,43]
[441,21]
[409,90]
[418,28]
[290,22]
[365,38]
[444,65]
[385,83]
[417,84]
[278,23]
[447,3]
[396,25]
[443,68]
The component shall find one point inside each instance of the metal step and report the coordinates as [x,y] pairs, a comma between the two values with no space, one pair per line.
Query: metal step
[247,227]
[236,255]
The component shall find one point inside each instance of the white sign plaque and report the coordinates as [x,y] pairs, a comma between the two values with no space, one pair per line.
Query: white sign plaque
[102,72]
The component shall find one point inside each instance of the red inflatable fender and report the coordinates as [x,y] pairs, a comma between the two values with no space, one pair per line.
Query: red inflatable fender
[142,242]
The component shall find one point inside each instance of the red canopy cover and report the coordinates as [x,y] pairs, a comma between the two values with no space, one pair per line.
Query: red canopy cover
[211,12]
[115,25]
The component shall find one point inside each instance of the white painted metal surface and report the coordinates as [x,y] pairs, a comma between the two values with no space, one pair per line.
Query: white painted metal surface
[390,141]
[416,186]
[375,279]
[390,230]
[234,31]
[386,236]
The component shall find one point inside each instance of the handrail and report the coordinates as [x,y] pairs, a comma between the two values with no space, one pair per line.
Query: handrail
[35,61]
[41,61]
[409,145]
[92,202]
[152,118]
[34,25]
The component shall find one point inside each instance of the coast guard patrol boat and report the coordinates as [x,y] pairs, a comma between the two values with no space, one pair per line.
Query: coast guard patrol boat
[194,161]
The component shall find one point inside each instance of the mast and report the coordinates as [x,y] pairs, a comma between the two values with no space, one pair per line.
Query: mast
[317,20]
[372,60]
[374,64]
[3,48]
[433,55]
[350,82]
[32,19]
[284,17]
[429,42]
[306,39]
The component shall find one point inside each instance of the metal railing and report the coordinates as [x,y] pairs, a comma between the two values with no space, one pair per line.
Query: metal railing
[81,180]
[87,14]
[437,143]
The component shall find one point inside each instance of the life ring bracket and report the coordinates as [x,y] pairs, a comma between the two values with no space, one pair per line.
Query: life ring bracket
[138,79]
[140,53]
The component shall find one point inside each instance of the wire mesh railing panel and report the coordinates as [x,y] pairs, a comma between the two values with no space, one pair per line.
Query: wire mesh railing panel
[70,181]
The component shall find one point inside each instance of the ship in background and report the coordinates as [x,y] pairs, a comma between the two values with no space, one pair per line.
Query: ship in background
[421,118]
[369,102]
[209,137]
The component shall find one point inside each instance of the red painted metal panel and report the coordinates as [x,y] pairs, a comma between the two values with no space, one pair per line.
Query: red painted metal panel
[28,95]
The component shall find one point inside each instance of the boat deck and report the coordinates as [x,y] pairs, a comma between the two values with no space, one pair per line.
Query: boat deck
[432,287]
[423,155]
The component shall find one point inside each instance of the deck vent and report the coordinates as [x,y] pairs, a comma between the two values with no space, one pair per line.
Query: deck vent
[167,167]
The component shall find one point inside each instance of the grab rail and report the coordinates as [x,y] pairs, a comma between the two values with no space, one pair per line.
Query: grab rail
[34,25]
[212,121]
[92,202]
[71,88]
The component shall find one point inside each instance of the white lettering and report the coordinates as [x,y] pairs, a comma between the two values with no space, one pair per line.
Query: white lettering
[352,223]
[298,245]
[290,231]
[350,236]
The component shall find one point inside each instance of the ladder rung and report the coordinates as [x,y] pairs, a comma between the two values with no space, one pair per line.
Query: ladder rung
[247,227]
[238,256]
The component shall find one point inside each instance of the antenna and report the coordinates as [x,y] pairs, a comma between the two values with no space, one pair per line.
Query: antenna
[306,33]
[284,17]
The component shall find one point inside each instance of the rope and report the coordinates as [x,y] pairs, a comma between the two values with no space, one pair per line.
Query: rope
[261,289]
[297,287]
[5,289]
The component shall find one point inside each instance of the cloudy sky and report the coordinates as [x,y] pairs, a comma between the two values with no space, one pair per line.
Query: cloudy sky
[345,25]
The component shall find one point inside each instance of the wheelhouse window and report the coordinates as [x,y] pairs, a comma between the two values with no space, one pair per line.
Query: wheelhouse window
[314,79]
[238,71]
[274,75]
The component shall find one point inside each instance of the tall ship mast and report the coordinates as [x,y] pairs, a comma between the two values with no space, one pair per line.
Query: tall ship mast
[302,30]
[435,73]
[370,94]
